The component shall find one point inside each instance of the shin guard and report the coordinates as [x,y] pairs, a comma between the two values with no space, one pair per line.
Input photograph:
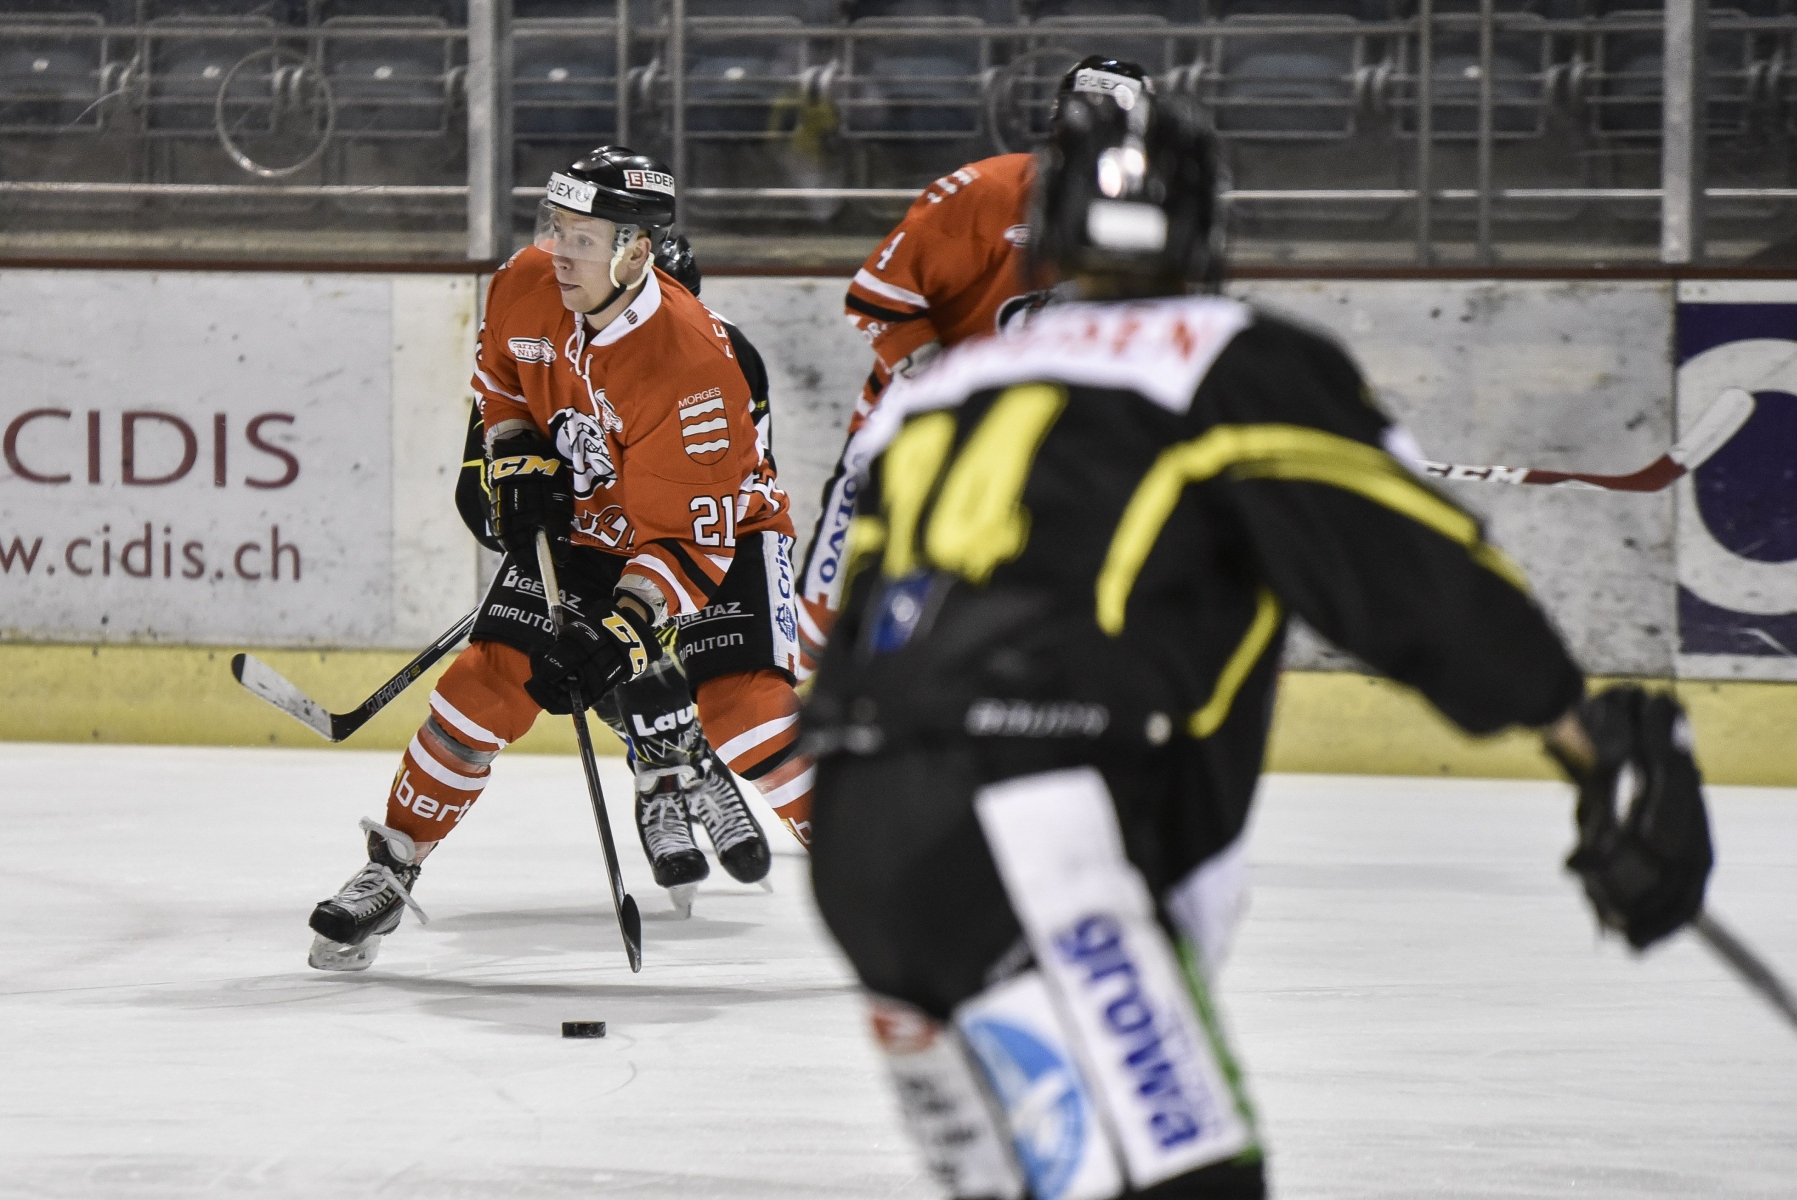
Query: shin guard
[476,709]
[1133,1018]
[946,1104]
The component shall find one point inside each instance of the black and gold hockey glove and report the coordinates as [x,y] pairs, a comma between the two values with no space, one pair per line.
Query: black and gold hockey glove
[1644,851]
[596,658]
[532,489]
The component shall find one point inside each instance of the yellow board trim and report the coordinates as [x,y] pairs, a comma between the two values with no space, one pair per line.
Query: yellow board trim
[1261,629]
[1282,452]
[185,695]
[1323,722]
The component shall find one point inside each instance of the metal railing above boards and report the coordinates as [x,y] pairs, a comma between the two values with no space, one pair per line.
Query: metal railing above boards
[1461,131]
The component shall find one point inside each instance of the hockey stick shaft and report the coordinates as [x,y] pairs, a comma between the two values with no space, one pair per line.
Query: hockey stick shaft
[1708,434]
[630,921]
[269,684]
[1744,962]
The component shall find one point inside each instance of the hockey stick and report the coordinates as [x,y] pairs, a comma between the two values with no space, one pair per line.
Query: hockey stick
[630,922]
[278,690]
[1720,422]
[1745,963]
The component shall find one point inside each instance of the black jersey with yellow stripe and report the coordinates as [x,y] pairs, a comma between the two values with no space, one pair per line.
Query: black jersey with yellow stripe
[1162,484]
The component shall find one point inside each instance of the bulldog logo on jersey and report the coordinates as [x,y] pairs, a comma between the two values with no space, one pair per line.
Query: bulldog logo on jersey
[581,441]
[704,430]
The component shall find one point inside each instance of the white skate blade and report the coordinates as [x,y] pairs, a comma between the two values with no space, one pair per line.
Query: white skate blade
[681,895]
[327,955]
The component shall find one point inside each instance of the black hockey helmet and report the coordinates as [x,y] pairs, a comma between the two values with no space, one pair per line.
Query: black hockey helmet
[1098,77]
[613,183]
[1127,192]
[674,255]
[617,183]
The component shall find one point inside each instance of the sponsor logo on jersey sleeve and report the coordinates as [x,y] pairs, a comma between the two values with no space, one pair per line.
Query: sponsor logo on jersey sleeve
[704,427]
[533,350]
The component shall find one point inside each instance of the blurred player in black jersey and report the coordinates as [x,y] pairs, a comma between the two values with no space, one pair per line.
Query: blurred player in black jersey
[1042,717]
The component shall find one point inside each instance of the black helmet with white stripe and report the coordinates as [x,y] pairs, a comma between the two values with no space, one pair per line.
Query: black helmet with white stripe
[617,183]
[632,192]
[1096,77]
[1128,192]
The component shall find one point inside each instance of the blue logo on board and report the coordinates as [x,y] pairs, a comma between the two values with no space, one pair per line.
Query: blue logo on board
[1042,1100]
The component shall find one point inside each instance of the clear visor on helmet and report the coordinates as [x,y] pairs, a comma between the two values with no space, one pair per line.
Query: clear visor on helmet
[568,234]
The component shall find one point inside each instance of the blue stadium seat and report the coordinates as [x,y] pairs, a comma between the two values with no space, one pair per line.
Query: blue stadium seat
[1138,37]
[992,12]
[564,79]
[1629,71]
[734,83]
[388,86]
[1287,86]
[926,86]
[183,73]
[51,84]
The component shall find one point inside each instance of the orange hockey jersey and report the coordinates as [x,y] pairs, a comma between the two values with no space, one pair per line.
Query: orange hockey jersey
[653,414]
[952,269]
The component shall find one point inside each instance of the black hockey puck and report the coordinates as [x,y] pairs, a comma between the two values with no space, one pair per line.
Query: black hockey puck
[583,1029]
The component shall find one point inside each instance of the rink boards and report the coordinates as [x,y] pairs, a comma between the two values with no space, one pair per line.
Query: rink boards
[265,459]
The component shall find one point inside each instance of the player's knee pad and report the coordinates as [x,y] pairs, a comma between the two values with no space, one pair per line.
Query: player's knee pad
[1113,1006]
[656,716]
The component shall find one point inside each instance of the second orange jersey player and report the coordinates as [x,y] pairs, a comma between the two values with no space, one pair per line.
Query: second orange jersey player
[952,270]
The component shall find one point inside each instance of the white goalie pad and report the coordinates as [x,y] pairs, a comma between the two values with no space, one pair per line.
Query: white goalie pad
[1056,1127]
[1112,973]
[946,1108]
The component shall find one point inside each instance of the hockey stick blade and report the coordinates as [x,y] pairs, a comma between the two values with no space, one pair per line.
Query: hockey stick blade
[1720,422]
[1712,431]
[1753,971]
[270,685]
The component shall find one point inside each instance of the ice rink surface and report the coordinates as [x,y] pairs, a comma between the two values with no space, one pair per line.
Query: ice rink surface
[1421,1002]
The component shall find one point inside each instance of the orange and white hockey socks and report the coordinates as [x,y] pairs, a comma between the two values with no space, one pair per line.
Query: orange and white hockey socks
[752,721]
[476,709]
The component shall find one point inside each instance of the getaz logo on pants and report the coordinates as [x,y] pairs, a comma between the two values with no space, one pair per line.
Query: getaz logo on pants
[1139,1036]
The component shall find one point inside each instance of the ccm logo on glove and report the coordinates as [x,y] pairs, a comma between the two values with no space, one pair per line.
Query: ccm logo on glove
[621,629]
[525,464]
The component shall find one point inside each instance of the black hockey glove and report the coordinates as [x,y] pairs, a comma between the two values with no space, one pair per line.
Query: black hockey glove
[532,489]
[596,658]
[1644,867]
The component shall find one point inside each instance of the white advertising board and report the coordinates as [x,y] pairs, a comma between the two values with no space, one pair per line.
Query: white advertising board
[204,457]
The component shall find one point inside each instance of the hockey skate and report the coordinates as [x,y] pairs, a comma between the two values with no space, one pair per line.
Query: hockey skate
[666,829]
[351,924]
[716,803]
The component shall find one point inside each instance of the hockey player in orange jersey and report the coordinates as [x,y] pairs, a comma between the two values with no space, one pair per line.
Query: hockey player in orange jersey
[618,423]
[953,269]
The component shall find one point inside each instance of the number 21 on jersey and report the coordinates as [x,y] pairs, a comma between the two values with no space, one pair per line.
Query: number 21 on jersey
[714,520]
